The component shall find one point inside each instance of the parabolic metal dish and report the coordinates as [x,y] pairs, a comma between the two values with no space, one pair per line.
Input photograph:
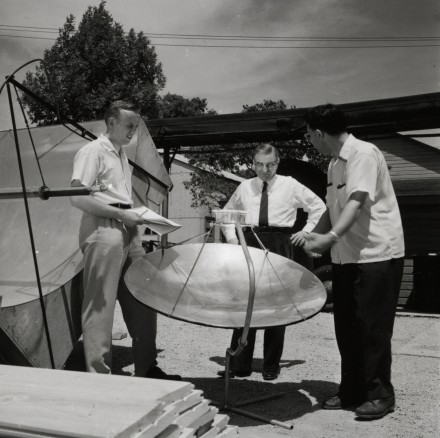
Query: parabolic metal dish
[216,292]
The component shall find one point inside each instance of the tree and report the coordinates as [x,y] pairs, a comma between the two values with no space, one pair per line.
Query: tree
[173,105]
[207,185]
[93,65]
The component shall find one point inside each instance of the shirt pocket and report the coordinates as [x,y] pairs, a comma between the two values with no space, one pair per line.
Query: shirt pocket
[341,194]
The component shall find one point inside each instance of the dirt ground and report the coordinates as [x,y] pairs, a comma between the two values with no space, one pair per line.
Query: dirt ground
[310,374]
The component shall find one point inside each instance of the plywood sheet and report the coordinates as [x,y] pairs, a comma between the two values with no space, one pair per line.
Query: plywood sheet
[78,404]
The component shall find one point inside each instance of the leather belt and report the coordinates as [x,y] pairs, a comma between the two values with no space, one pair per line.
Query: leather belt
[122,206]
[284,230]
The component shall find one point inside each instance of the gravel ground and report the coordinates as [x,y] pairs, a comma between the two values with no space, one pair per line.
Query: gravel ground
[310,374]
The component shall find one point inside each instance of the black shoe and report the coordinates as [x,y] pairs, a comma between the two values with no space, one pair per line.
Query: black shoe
[157,373]
[233,374]
[271,375]
[375,409]
[336,402]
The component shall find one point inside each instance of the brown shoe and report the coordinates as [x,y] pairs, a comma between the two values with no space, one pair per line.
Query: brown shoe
[375,409]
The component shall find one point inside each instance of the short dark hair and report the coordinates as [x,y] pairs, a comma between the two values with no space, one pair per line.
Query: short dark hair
[266,149]
[327,118]
[114,108]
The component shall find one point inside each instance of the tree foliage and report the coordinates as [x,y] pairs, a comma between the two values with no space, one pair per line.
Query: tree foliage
[174,105]
[209,187]
[92,65]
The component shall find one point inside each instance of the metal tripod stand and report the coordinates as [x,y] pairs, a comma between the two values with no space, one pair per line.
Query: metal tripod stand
[227,405]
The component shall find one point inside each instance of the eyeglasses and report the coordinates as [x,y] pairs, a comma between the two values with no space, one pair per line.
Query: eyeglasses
[269,166]
[308,134]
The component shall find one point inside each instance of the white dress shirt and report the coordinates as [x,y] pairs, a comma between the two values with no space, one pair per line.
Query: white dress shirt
[98,162]
[285,196]
[377,234]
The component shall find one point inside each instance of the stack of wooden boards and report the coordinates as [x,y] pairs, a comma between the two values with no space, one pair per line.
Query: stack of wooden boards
[37,402]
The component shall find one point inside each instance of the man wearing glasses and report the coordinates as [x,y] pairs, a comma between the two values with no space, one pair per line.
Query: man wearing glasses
[272,202]
[363,230]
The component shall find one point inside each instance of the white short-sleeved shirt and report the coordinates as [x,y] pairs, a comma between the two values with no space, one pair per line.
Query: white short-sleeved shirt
[285,196]
[98,162]
[377,233]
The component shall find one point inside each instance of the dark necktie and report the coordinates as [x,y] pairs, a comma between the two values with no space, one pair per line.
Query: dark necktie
[263,220]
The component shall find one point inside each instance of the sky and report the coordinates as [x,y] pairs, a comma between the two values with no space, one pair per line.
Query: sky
[335,59]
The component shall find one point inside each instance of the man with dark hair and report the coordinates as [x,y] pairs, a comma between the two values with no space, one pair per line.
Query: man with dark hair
[363,229]
[272,202]
[109,240]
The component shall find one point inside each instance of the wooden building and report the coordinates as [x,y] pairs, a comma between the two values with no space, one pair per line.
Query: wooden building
[415,172]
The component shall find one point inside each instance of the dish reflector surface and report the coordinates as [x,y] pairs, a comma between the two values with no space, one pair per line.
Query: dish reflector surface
[216,292]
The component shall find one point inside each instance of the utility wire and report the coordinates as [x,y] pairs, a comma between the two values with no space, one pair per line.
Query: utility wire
[418,41]
[250,37]
[297,47]
[29,31]
[28,27]
[273,38]
[31,37]
[378,46]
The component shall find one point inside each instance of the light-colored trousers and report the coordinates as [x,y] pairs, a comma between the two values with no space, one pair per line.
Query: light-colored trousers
[109,248]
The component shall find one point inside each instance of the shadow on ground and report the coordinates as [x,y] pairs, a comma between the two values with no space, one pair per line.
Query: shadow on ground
[122,357]
[297,398]
[257,364]
[294,399]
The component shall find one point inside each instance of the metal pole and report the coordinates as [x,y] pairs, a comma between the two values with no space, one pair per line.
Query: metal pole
[31,236]
[243,338]
[242,343]
[251,270]
[46,193]
[167,164]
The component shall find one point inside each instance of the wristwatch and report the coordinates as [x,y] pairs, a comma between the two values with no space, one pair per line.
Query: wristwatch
[335,236]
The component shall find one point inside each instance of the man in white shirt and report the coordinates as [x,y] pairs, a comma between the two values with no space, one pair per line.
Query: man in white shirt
[363,229]
[109,240]
[272,220]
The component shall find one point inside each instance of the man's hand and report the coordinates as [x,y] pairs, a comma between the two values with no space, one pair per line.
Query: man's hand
[130,219]
[233,241]
[299,238]
[318,243]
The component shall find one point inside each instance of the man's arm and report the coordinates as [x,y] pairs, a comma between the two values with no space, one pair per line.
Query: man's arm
[361,177]
[90,205]
[324,224]
[321,243]
[229,229]
[313,205]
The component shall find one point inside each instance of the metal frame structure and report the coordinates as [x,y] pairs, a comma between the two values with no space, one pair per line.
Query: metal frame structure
[227,405]
[368,118]
[44,193]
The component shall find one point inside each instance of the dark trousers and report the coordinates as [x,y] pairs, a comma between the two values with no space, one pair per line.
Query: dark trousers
[278,243]
[364,304]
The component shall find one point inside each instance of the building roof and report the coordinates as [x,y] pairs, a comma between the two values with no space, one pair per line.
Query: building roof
[227,175]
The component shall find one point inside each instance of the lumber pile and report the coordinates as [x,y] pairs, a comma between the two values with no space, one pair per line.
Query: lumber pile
[37,402]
